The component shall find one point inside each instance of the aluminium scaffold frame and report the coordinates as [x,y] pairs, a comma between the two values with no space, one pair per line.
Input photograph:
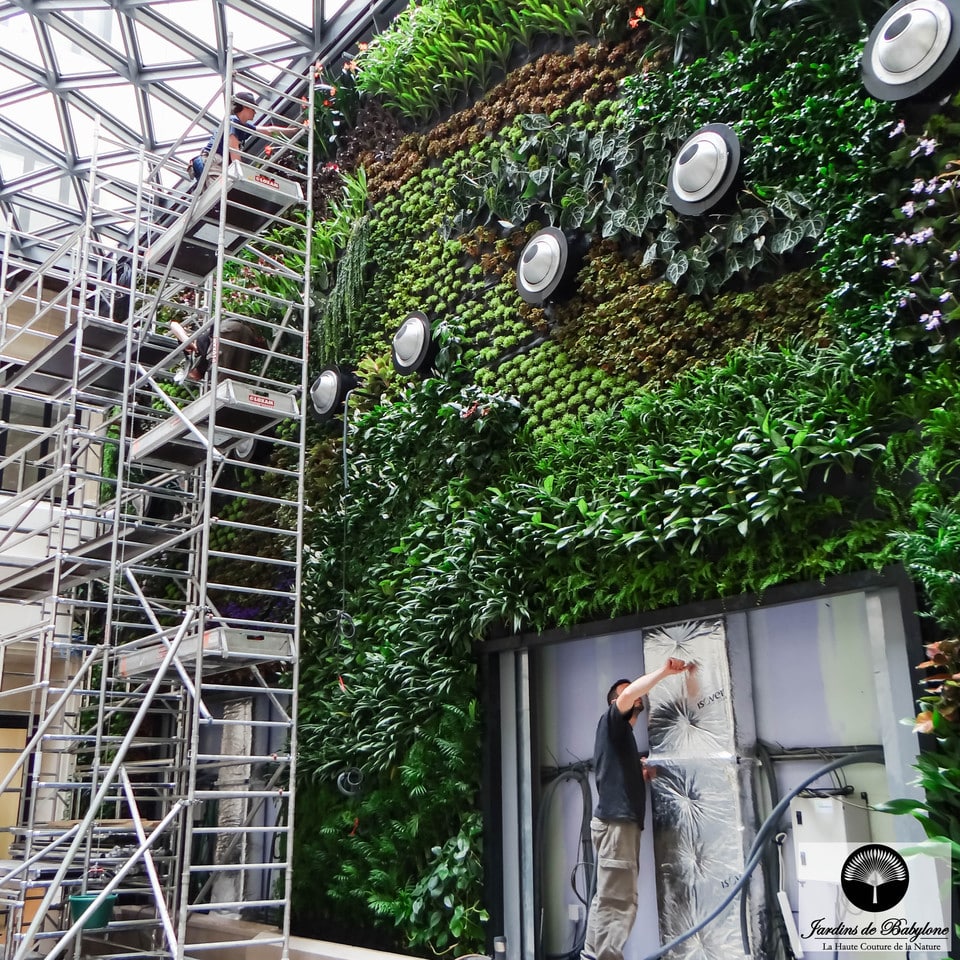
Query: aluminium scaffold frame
[151,532]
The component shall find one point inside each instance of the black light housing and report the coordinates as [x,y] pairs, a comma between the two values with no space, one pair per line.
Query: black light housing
[414,350]
[548,266]
[706,171]
[912,50]
[329,391]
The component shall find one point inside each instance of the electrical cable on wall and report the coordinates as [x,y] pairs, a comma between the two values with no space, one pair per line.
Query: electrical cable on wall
[757,849]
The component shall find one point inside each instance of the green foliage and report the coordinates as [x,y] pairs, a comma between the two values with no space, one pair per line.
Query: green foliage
[614,455]
[924,258]
[336,102]
[394,694]
[932,554]
[344,301]
[607,174]
[648,332]
[403,825]
[454,875]
[798,188]
[438,51]
[331,235]
[698,27]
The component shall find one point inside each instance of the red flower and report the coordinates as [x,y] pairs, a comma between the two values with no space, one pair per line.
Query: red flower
[362,46]
[637,18]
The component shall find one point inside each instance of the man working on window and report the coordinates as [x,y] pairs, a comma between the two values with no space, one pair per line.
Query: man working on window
[618,818]
[241,127]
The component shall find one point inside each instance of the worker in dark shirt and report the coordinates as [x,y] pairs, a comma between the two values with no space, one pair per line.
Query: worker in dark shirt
[618,817]
[241,127]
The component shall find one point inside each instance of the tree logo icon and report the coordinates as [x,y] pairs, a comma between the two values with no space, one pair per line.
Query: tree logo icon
[875,878]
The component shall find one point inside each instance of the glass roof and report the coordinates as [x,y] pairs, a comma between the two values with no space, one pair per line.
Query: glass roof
[112,77]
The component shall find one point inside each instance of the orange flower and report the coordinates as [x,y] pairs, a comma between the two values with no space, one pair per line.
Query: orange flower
[923,723]
[637,18]
[267,151]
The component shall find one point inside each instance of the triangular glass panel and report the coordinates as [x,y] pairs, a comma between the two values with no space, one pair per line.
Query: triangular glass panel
[72,59]
[20,38]
[103,24]
[157,50]
[170,124]
[38,115]
[120,101]
[85,132]
[250,34]
[17,159]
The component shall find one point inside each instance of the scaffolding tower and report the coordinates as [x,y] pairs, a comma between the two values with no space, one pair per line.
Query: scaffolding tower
[151,510]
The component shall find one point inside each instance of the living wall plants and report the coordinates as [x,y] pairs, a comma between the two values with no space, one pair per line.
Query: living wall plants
[719,409]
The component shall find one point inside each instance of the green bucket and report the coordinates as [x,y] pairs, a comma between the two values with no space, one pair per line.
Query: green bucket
[100,917]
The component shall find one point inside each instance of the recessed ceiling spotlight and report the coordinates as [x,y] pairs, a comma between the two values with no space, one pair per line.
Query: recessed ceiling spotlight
[414,349]
[911,49]
[547,267]
[705,172]
[329,391]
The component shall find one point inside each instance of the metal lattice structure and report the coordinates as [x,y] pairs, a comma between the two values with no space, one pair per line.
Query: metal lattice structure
[150,555]
[145,70]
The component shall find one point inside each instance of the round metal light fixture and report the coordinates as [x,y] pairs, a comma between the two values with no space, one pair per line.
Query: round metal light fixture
[546,269]
[705,171]
[244,449]
[350,781]
[414,350]
[911,49]
[329,391]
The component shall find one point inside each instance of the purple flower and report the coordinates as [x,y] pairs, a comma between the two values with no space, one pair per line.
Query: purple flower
[931,320]
[944,297]
[918,186]
[892,262]
[922,236]
[915,277]
[925,145]
[909,208]
[898,129]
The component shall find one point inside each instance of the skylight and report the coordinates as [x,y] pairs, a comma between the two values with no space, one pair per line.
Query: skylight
[108,76]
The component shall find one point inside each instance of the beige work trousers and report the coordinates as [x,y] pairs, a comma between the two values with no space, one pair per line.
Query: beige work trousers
[613,909]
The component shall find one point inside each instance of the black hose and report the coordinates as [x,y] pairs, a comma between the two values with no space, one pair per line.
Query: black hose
[765,760]
[579,773]
[756,851]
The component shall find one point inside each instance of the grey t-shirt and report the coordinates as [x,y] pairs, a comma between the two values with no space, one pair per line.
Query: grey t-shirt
[618,771]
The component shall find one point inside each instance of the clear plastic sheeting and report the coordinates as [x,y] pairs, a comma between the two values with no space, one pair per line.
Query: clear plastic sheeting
[695,789]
